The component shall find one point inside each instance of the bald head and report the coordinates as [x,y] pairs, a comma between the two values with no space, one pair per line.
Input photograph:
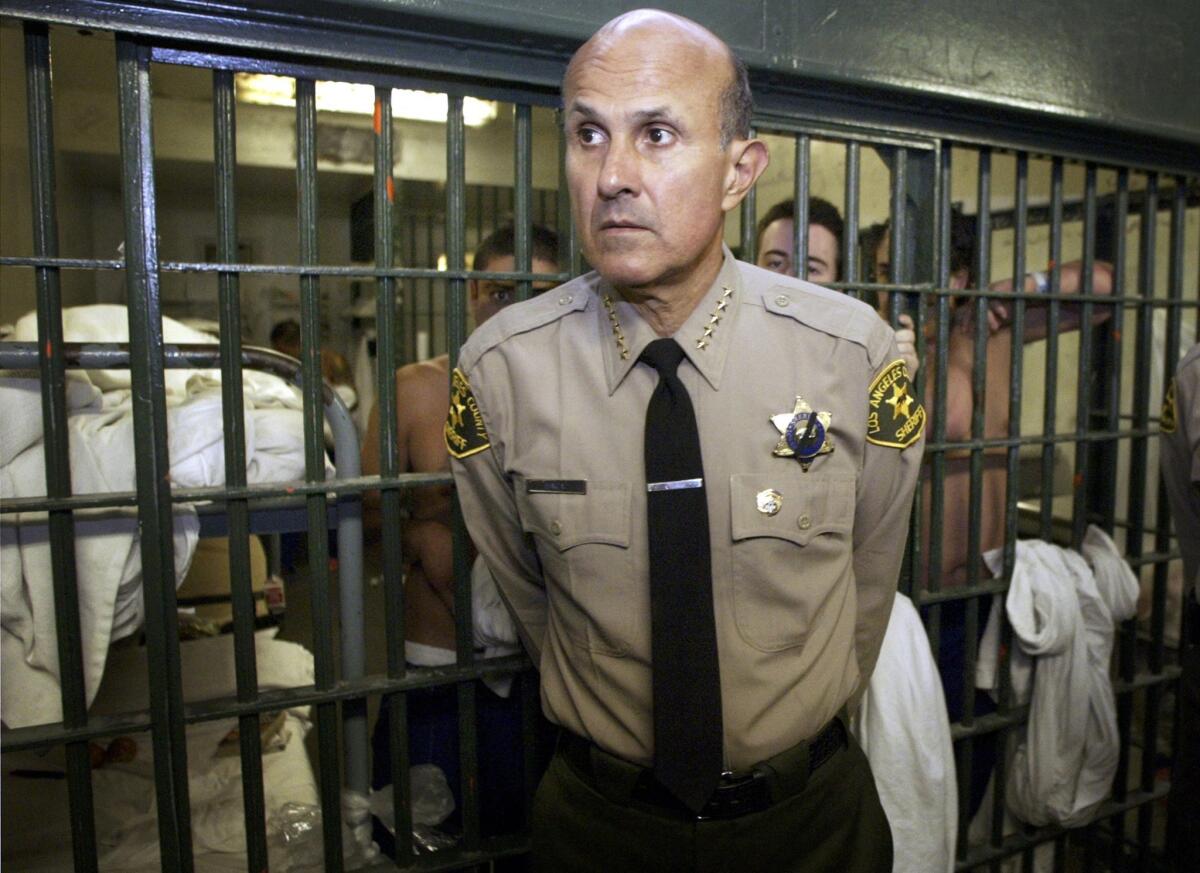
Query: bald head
[689,43]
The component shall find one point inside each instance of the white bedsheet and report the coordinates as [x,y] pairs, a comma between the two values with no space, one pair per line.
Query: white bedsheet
[107,554]
[1064,611]
[36,810]
[904,730]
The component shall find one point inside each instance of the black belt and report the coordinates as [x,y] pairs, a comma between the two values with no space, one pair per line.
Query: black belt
[763,785]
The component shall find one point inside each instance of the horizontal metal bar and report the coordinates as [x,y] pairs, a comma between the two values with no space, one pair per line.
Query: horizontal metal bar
[176,356]
[1147,679]
[979,857]
[287,269]
[962,592]
[189,56]
[1047,440]
[39,736]
[990,723]
[820,129]
[277,491]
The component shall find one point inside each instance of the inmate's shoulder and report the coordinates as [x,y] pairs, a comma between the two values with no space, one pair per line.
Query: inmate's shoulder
[817,308]
[527,318]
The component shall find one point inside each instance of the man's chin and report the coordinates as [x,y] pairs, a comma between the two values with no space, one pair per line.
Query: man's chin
[625,270]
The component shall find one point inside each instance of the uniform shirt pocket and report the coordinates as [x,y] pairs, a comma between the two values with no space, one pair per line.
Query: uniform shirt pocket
[792,549]
[583,543]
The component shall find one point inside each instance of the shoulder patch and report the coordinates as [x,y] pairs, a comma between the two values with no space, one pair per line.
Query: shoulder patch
[1169,421]
[529,315]
[896,418]
[465,432]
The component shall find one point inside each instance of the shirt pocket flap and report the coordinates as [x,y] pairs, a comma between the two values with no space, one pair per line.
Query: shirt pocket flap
[601,515]
[804,506]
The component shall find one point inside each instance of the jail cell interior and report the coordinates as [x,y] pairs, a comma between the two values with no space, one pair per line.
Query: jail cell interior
[158,186]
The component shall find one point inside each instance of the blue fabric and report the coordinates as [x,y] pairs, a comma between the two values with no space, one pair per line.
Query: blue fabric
[951,660]
[433,739]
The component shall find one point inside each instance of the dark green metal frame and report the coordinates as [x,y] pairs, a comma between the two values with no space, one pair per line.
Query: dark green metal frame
[920,207]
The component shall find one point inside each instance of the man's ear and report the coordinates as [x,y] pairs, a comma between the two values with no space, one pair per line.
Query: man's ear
[748,159]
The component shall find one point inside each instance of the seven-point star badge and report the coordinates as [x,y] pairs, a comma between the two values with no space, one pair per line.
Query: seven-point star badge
[803,433]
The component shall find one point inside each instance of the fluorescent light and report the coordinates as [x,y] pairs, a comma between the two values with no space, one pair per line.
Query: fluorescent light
[358,98]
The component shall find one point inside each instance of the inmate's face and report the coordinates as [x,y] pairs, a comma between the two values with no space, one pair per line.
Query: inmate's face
[645,167]
[489,296]
[775,251]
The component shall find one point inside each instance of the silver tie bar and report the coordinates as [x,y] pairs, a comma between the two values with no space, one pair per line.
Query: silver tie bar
[677,485]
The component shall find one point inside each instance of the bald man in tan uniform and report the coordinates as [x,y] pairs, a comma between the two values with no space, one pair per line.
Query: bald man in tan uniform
[546,428]
[1180,446]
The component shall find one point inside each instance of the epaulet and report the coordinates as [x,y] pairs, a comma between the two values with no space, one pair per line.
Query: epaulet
[529,315]
[821,309]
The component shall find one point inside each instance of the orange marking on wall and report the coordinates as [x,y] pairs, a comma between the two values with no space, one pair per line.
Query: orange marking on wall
[378,117]
[49,349]
[1117,335]
[1078,480]
[391,189]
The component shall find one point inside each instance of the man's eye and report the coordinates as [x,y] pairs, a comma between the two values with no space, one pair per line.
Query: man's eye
[777,265]
[590,136]
[660,136]
[502,296]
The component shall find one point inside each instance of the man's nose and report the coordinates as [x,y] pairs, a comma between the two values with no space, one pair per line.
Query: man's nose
[619,173]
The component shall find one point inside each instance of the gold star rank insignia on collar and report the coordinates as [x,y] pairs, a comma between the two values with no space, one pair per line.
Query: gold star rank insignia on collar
[803,433]
[465,431]
[896,418]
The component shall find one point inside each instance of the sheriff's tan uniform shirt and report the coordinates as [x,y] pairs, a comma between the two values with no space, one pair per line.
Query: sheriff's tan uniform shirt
[546,426]
[1180,448]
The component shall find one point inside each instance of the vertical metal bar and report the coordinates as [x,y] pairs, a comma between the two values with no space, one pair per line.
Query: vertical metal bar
[1012,489]
[389,463]
[749,220]
[1139,447]
[1127,631]
[983,271]
[523,178]
[455,336]
[411,305]
[152,462]
[479,232]
[350,594]
[1083,394]
[431,284]
[233,411]
[314,469]
[1114,348]
[52,374]
[568,243]
[1049,410]
[1162,521]
[850,241]
[899,234]
[941,272]
[803,177]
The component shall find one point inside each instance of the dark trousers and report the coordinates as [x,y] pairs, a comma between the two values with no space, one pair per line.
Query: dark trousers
[835,823]
[1184,801]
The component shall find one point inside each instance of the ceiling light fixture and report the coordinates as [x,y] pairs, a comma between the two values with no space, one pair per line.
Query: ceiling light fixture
[352,97]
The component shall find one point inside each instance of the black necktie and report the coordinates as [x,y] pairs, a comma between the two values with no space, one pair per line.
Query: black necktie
[687,686]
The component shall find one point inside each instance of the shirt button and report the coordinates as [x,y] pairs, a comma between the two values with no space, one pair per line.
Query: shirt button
[782,300]
[555,527]
[805,522]
[565,299]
